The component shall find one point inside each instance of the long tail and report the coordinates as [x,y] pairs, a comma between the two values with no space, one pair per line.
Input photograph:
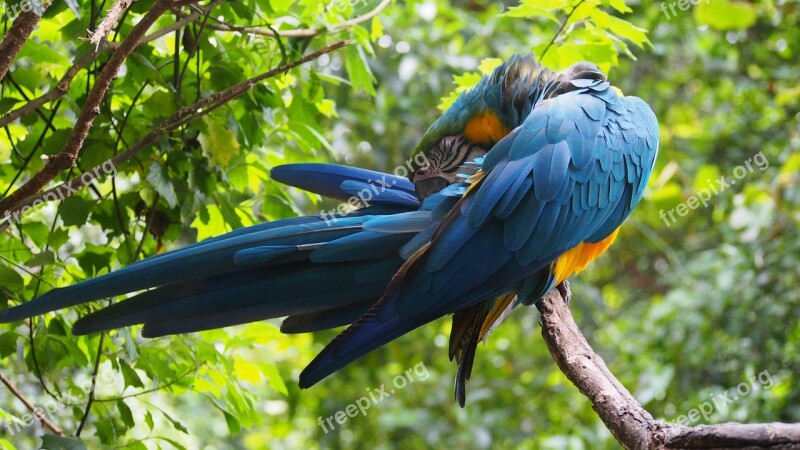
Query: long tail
[321,272]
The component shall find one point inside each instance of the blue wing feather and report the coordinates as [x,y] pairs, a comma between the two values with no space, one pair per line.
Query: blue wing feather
[327,180]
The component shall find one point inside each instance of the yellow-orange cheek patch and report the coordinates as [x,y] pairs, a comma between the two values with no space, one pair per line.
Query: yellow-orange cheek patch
[485,127]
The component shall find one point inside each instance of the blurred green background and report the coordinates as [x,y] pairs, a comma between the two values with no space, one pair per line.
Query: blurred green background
[683,311]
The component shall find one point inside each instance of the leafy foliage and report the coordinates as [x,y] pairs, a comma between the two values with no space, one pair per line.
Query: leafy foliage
[680,311]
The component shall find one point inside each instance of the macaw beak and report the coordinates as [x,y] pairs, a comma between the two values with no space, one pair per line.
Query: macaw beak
[429,186]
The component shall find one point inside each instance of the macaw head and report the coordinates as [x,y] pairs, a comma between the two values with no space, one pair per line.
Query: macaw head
[483,115]
[467,130]
[442,161]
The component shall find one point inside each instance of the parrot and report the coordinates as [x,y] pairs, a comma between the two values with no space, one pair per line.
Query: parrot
[522,182]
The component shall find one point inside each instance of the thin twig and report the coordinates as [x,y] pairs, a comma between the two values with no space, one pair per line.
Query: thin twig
[560,29]
[200,12]
[185,115]
[94,385]
[31,323]
[109,22]
[158,387]
[36,411]
[36,146]
[147,224]
[303,32]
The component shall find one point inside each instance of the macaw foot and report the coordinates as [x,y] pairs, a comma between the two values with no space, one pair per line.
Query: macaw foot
[565,291]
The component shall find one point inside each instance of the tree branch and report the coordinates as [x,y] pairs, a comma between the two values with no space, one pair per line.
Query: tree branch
[62,87]
[36,411]
[159,387]
[632,426]
[109,22]
[56,92]
[303,32]
[91,109]
[89,402]
[16,37]
[184,115]
[560,29]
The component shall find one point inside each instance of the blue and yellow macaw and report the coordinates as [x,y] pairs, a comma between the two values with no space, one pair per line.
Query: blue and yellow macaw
[526,179]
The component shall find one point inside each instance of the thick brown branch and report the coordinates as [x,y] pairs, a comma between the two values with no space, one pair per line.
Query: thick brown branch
[91,109]
[16,36]
[183,116]
[734,435]
[37,412]
[628,421]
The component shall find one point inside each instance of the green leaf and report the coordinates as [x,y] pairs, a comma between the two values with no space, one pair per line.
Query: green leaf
[627,30]
[41,259]
[74,7]
[7,103]
[10,279]
[130,376]
[177,425]
[161,104]
[274,378]
[157,178]
[376,31]
[488,65]
[136,445]
[8,343]
[125,414]
[218,142]
[148,419]
[107,429]
[527,10]
[53,442]
[44,56]
[620,6]
[95,259]
[173,443]
[358,70]
[131,351]
[229,215]
[75,210]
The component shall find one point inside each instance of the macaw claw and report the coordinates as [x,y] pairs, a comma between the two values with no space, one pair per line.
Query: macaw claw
[565,291]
